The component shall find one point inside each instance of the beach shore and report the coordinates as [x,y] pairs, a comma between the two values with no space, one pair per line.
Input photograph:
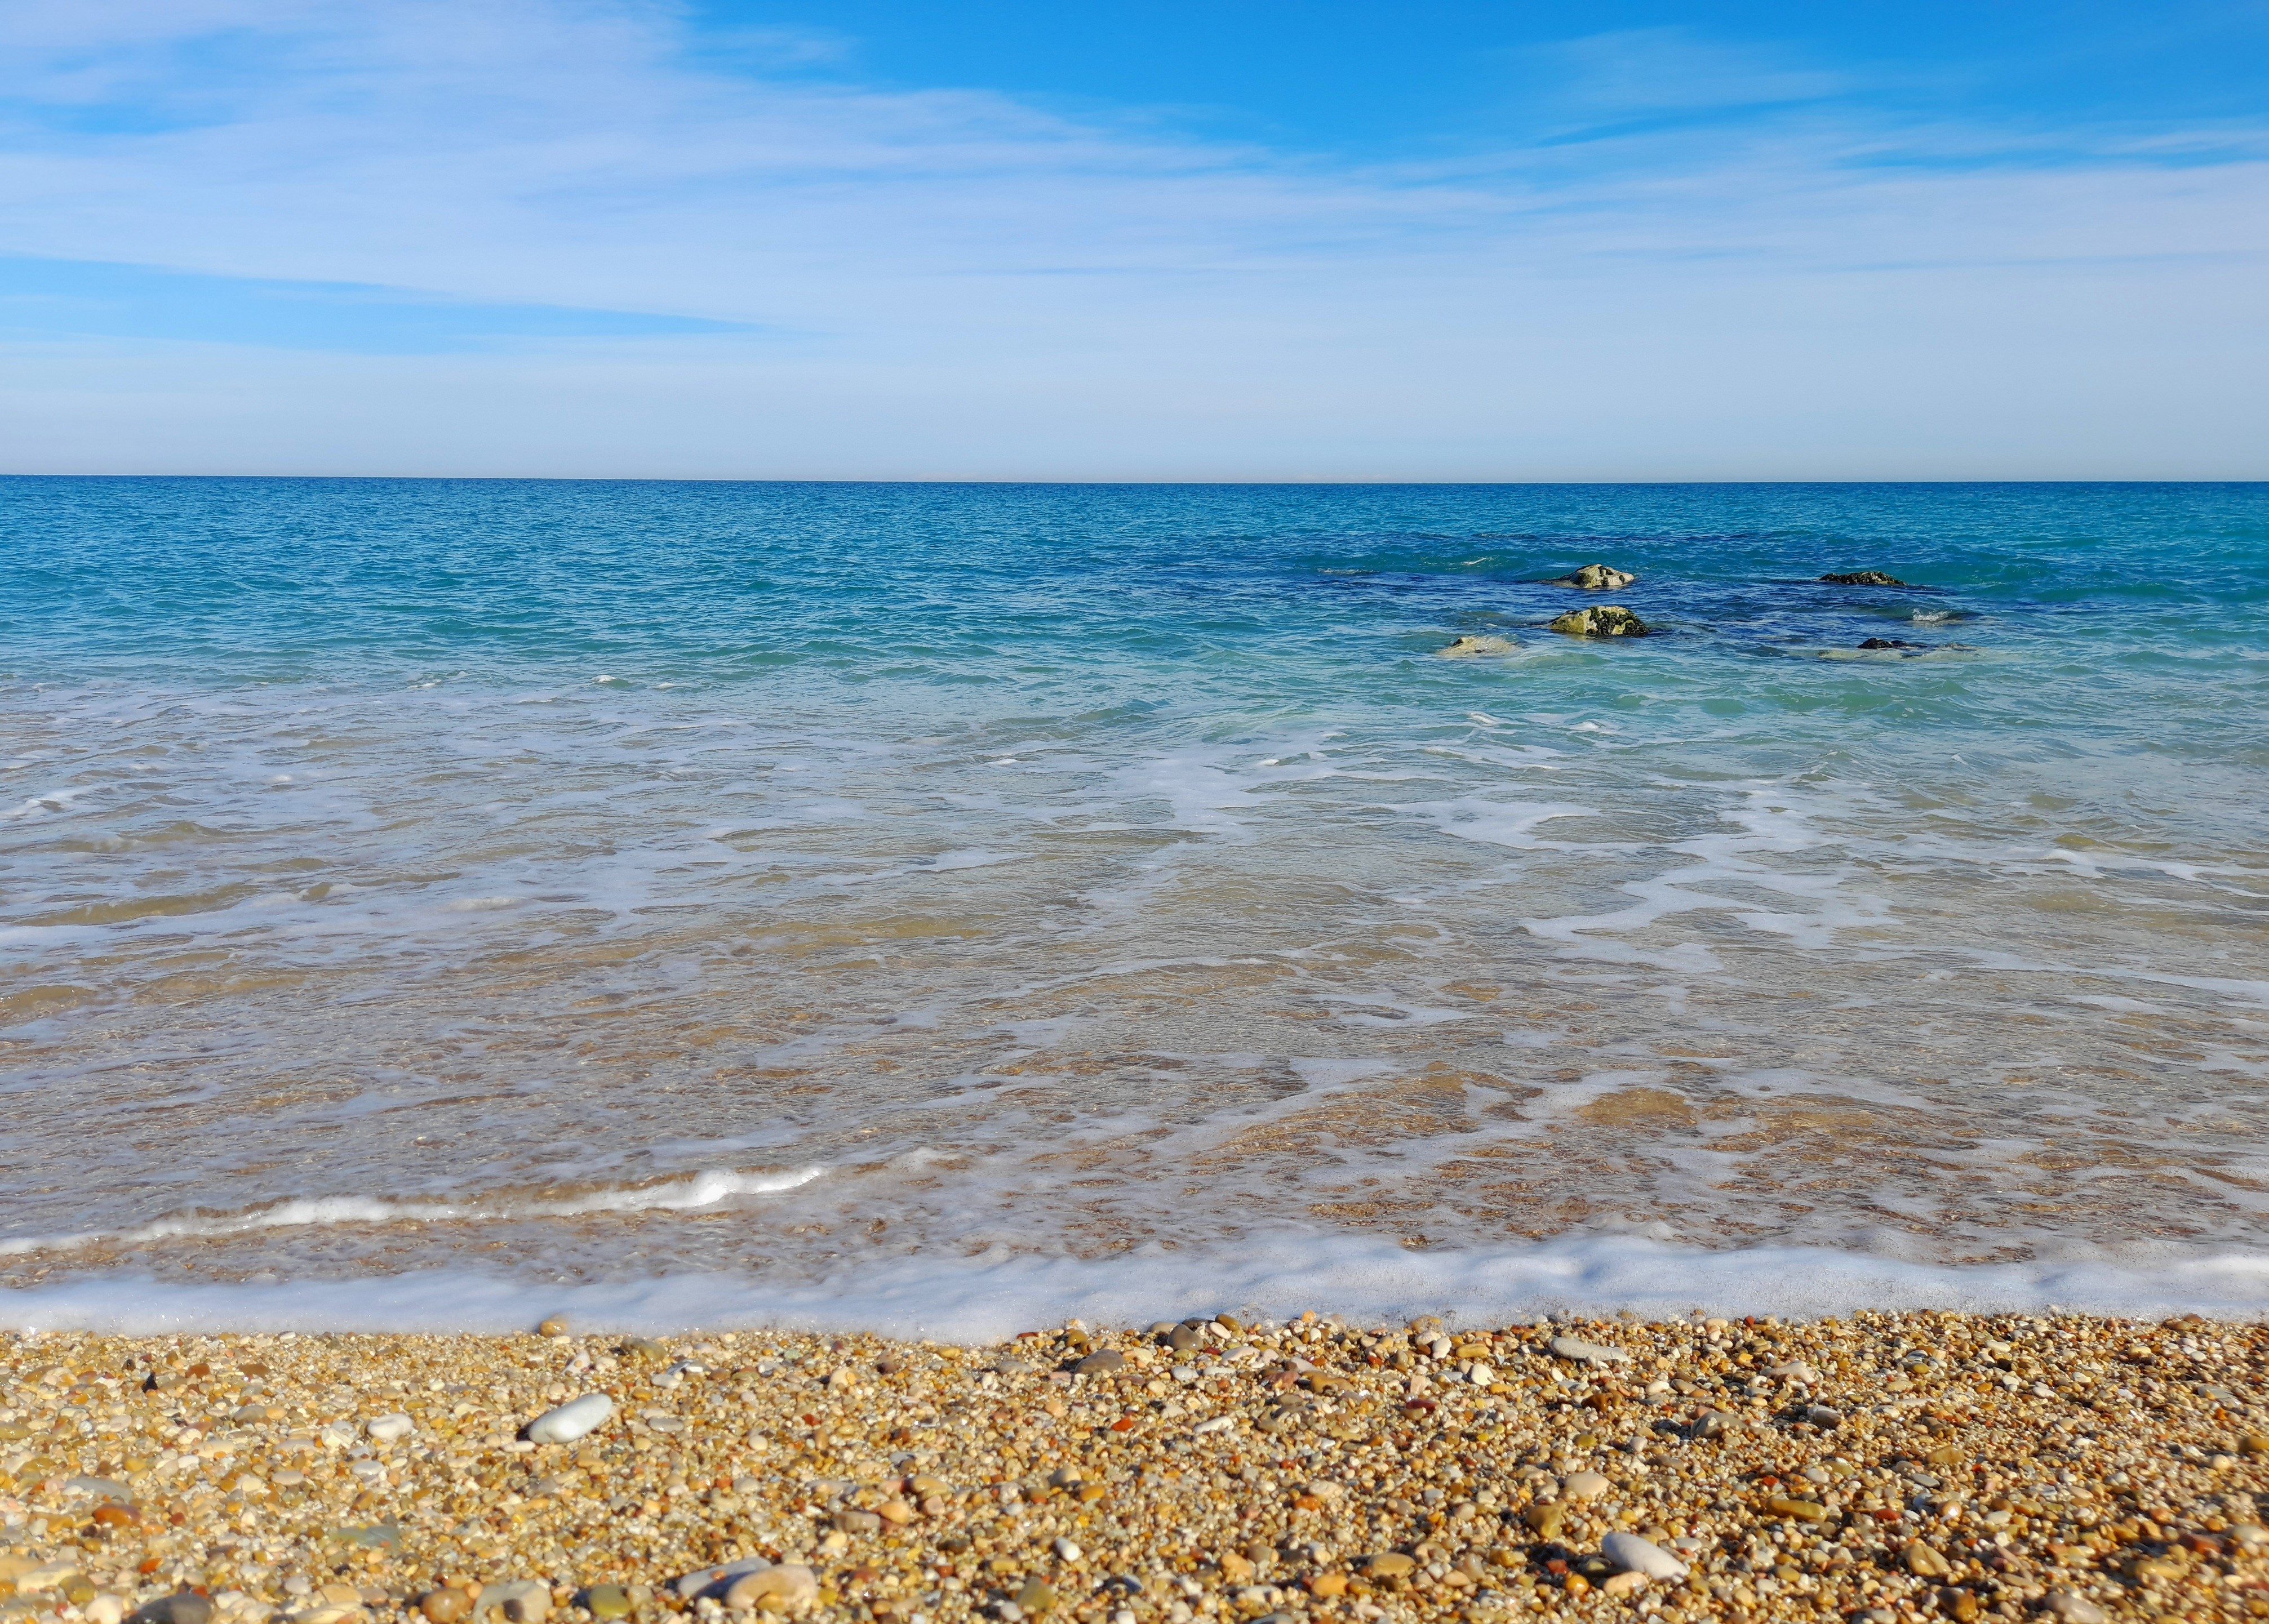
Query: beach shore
[1885,1465]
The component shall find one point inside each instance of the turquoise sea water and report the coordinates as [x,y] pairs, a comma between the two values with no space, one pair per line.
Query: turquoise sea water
[478,889]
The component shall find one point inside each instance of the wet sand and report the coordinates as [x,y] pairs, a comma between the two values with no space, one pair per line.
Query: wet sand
[1889,1466]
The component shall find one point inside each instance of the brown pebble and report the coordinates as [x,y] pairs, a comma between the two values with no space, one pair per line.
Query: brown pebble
[445,1606]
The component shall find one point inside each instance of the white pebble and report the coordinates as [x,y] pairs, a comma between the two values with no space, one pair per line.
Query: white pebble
[388,1429]
[1634,1554]
[572,1420]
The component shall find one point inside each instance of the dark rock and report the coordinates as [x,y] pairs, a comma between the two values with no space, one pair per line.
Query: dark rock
[1610,620]
[1863,578]
[1889,643]
[1101,1361]
[1597,578]
[181,1608]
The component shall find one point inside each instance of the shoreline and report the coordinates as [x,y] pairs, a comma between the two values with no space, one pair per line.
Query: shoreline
[1267,1271]
[1892,1465]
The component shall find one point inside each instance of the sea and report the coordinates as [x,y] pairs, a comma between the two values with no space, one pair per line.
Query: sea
[945,909]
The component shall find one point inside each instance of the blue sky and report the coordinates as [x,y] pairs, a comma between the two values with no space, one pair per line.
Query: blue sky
[872,239]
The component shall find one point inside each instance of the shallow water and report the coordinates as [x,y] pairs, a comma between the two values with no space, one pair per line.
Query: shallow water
[534,886]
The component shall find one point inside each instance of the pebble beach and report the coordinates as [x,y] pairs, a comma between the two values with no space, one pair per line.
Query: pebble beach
[1880,1468]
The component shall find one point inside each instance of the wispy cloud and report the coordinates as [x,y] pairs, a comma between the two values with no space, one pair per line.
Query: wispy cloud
[991,289]
[1628,72]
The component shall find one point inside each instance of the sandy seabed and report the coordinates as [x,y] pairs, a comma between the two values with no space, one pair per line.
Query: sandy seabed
[1885,1466]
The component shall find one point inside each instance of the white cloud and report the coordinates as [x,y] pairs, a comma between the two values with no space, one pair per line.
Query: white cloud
[953,284]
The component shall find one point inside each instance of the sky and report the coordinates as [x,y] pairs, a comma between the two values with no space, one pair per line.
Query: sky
[998,239]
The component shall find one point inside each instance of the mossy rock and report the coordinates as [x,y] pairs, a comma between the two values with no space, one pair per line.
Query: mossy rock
[1863,578]
[1597,578]
[1610,620]
[1471,646]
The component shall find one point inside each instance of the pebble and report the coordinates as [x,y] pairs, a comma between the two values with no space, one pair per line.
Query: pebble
[1583,1486]
[1638,1554]
[445,1606]
[520,1601]
[1588,1353]
[555,1326]
[1100,1362]
[791,1586]
[573,1420]
[716,1581]
[608,1601]
[389,1428]
[1544,1517]
[1924,1562]
[2073,1608]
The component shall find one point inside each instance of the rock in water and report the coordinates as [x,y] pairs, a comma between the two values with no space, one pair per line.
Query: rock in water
[1610,620]
[1863,578]
[1888,643]
[1597,578]
[1469,647]
[1634,1554]
[572,1420]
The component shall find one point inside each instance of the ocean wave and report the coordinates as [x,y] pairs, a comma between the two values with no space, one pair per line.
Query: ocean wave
[704,1189]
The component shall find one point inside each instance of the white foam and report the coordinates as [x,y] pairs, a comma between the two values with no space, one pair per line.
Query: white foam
[704,1189]
[1369,1279]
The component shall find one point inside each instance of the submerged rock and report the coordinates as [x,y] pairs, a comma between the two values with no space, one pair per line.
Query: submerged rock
[1889,643]
[1597,578]
[1466,648]
[1610,620]
[1863,578]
